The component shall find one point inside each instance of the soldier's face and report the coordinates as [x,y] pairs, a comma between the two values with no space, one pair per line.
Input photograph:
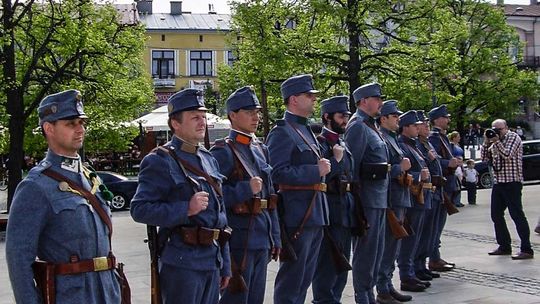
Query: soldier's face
[192,127]
[373,106]
[245,121]
[305,103]
[390,122]
[338,122]
[65,137]
[442,122]
[410,131]
[423,129]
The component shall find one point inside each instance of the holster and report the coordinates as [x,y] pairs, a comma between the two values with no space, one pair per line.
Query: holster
[370,171]
[44,276]
[405,180]
[256,206]
[417,190]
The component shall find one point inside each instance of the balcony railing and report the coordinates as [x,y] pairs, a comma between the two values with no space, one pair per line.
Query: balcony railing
[530,62]
[164,82]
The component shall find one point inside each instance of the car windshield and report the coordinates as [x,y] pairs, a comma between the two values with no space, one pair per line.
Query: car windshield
[107,177]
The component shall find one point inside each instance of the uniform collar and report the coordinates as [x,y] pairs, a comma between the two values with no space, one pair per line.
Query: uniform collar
[240,137]
[330,135]
[184,146]
[391,133]
[365,116]
[408,140]
[295,118]
[72,164]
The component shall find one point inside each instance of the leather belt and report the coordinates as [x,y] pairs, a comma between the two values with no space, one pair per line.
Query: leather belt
[315,187]
[427,186]
[256,206]
[202,236]
[95,264]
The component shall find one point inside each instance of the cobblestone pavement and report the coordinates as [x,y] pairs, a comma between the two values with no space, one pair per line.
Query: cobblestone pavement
[477,279]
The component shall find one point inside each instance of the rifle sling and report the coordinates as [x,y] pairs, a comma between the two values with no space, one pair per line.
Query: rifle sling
[92,199]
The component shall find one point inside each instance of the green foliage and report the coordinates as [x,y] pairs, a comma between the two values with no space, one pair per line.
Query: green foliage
[457,50]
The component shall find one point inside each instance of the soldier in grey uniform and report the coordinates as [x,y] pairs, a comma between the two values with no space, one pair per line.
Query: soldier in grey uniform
[180,191]
[53,222]
[250,200]
[330,280]
[298,171]
[398,200]
[370,155]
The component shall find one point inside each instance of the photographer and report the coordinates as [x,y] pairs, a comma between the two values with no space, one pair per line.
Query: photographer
[503,149]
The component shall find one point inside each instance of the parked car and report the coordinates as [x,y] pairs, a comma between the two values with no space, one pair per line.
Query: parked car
[123,189]
[531,165]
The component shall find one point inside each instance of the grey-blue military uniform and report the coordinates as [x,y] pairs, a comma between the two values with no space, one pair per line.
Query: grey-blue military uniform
[398,200]
[415,214]
[295,164]
[254,234]
[188,273]
[431,215]
[369,150]
[328,283]
[441,144]
[58,226]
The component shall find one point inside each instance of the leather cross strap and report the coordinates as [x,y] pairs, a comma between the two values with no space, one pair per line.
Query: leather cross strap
[305,140]
[92,199]
[238,155]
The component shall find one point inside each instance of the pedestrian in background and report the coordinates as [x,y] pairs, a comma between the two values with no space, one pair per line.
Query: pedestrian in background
[503,148]
[458,152]
[471,179]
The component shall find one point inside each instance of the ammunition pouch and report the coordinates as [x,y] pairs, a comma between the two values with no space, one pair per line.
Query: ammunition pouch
[370,171]
[438,181]
[337,186]
[256,206]
[202,236]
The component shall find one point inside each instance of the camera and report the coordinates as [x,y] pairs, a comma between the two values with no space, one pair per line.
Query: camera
[490,133]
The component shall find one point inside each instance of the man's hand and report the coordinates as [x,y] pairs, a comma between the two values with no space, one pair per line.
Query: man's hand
[453,163]
[432,155]
[256,184]
[424,174]
[338,152]
[324,166]
[405,164]
[198,203]
[224,282]
[274,253]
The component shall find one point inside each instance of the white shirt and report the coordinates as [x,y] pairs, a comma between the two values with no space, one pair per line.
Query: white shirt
[470,175]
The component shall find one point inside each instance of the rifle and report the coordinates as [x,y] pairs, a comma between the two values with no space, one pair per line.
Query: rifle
[153,246]
[396,227]
[450,207]
[237,284]
[340,261]
[417,190]
[362,224]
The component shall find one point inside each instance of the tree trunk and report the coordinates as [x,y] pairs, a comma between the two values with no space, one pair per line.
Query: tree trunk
[353,68]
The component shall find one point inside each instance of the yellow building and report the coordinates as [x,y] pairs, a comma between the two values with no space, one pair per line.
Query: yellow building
[184,50]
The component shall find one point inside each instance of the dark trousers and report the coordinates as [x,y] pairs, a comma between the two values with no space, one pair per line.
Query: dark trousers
[328,283]
[294,277]
[388,262]
[409,245]
[180,285]
[471,192]
[254,275]
[508,195]
[440,221]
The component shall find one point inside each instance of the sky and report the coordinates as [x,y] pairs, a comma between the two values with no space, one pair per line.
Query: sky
[221,7]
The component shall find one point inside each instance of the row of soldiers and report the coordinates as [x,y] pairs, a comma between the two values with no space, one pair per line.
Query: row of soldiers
[299,198]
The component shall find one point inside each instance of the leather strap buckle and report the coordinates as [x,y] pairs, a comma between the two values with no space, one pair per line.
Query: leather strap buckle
[264,204]
[215,237]
[100,264]
[322,187]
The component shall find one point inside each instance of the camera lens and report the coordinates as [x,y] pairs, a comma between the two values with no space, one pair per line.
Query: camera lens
[490,133]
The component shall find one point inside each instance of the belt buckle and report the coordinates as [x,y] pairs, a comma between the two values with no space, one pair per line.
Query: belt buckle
[216,234]
[348,187]
[264,204]
[389,167]
[101,263]
[322,187]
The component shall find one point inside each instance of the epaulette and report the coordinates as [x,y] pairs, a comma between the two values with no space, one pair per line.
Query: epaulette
[220,143]
[161,150]
[45,164]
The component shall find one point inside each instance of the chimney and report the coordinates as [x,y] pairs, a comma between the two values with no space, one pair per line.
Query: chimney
[213,12]
[144,6]
[176,7]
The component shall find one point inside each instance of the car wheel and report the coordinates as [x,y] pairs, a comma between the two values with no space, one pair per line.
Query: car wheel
[118,202]
[486,181]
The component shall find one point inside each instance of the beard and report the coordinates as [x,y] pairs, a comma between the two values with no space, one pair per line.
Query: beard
[339,129]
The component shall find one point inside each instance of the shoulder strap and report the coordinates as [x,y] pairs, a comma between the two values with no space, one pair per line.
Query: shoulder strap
[92,199]
[238,155]
[305,140]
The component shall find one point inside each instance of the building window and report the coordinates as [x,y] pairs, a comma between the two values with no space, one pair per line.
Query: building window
[200,63]
[163,64]
[230,58]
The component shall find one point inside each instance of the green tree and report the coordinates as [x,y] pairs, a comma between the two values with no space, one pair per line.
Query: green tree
[51,46]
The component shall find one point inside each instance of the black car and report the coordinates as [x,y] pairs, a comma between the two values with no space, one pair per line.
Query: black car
[531,165]
[123,189]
